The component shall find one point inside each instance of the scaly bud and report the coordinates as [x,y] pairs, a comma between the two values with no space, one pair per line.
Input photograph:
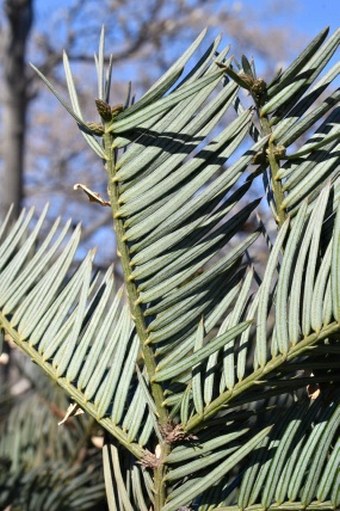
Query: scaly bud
[104,110]
[259,90]
[116,109]
[95,128]
[279,152]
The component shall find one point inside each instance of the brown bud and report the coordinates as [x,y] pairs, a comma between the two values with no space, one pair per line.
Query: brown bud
[280,152]
[116,109]
[104,110]
[248,81]
[95,128]
[259,90]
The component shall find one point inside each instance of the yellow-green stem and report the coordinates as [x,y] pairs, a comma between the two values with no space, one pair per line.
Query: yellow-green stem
[138,317]
[159,473]
[257,375]
[274,170]
[123,252]
[75,394]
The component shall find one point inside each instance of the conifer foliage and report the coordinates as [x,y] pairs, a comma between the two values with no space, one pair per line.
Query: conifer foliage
[214,377]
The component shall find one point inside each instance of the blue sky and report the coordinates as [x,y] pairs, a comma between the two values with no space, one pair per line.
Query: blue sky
[312,15]
[308,16]
[304,18]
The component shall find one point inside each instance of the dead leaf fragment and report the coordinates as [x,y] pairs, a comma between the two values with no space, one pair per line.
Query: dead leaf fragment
[92,196]
[71,411]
